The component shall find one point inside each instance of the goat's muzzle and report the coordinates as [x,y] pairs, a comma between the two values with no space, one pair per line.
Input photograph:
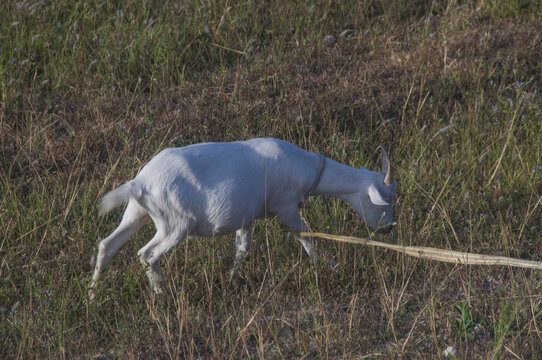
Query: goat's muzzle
[384,229]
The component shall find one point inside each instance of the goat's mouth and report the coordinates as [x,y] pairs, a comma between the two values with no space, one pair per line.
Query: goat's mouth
[380,228]
[384,229]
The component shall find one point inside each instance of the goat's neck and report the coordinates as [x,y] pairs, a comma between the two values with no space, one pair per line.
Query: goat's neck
[338,180]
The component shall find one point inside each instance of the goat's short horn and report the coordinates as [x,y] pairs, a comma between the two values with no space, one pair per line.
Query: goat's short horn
[386,167]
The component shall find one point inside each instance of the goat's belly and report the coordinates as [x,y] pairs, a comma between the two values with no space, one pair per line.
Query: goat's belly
[222,226]
[203,232]
[208,231]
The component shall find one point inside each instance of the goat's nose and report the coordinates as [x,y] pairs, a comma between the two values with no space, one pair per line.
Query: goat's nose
[384,230]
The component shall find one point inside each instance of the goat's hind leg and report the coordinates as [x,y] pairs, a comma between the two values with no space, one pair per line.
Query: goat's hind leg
[134,218]
[154,274]
[160,244]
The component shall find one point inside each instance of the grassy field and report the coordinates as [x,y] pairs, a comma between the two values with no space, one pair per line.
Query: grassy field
[91,90]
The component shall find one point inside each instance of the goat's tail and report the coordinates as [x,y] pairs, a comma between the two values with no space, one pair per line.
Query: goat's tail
[117,197]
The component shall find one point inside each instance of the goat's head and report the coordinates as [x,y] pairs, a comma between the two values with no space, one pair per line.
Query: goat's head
[376,197]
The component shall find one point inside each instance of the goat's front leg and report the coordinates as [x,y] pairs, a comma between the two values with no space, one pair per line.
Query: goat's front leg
[243,238]
[290,217]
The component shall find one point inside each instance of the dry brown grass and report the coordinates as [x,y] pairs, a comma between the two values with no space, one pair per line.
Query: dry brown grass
[89,101]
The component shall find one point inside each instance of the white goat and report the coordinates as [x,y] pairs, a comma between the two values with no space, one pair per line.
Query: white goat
[216,188]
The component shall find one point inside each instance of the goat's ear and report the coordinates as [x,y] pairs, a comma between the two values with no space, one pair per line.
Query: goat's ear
[375,196]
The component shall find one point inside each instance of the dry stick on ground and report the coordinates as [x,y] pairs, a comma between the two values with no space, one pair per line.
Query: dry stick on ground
[449,256]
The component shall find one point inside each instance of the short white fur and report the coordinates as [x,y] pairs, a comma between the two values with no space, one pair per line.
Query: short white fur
[217,188]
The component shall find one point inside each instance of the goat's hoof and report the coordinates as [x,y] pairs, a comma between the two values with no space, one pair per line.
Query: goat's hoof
[91,294]
[328,260]
[157,289]
[234,272]
[235,277]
